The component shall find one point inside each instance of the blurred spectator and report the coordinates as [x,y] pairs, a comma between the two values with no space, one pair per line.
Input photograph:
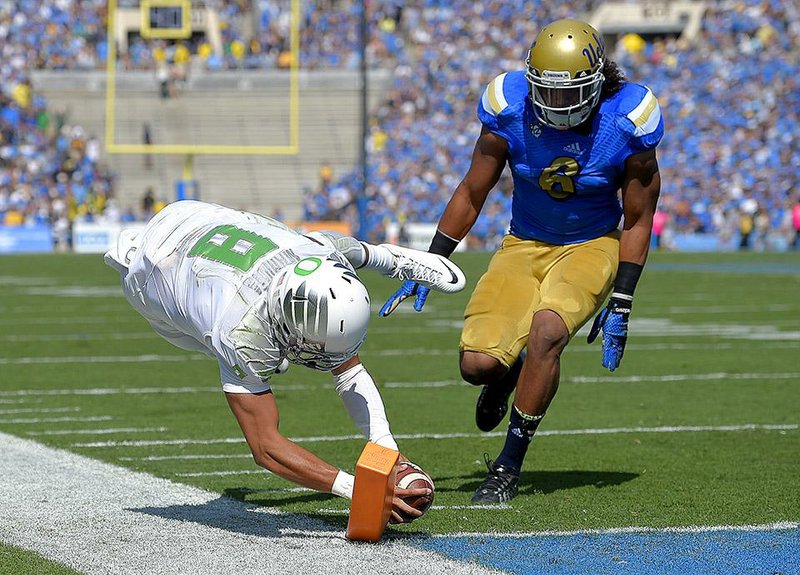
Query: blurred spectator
[660,221]
[147,140]
[796,225]
[746,225]
[148,204]
[325,174]
[164,81]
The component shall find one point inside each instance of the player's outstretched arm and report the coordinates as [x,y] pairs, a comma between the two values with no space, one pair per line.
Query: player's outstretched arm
[257,415]
[640,191]
[363,402]
[427,269]
[488,161]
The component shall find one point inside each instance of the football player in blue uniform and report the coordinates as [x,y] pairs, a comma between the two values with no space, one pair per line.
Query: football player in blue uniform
[574,133]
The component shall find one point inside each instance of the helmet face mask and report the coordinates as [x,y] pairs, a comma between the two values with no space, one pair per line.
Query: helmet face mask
[319,311]
[565,72]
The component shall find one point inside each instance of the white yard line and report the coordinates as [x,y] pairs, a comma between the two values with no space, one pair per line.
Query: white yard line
[766,376]
[109,391]
[492,507]
[98,518]
[90,292]
[759,310]
[776,526]
[684,377]
[189,457]
[80,307]
[14,338]
[57,419]
[542,433]
[107,431]
[26,281]
[414,352]
[498,507]
[38,410]
[70,320]
[624,379]
[223,473]
[98,359]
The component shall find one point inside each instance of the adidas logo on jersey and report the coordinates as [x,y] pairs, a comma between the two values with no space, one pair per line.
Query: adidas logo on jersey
[574,148]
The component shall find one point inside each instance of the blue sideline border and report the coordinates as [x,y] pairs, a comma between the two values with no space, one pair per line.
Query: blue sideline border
[717,552]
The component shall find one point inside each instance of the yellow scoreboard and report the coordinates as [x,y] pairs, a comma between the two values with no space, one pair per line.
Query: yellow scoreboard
[168,19]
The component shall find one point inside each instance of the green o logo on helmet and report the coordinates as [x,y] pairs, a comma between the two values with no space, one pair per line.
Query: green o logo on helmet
[307,266]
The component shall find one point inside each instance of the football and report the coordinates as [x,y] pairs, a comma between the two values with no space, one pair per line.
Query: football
[411,476]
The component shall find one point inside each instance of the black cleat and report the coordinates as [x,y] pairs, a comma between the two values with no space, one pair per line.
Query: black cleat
[492,403]
[499,486]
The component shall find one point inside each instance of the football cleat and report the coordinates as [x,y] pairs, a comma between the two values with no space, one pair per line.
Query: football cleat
[492,404]
[499,486]
[431,270]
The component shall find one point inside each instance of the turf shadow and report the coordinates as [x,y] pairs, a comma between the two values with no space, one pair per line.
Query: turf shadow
[250,519]
[245,518]
[544,482]
[265,498]
[274,498]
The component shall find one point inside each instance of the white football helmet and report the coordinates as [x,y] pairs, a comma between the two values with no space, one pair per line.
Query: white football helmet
[319,311]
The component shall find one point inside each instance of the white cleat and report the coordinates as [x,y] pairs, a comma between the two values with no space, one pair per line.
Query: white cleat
[431,270]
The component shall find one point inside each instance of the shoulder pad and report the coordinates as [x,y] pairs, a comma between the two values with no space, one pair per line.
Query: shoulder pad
[646,113]
[494,100]
[504,93]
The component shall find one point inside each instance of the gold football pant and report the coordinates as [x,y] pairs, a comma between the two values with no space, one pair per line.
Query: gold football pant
[526,276]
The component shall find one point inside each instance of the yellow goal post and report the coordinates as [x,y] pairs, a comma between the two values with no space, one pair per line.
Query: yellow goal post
[176,24]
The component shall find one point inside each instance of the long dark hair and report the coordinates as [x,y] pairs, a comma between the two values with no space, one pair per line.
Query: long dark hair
[614,78]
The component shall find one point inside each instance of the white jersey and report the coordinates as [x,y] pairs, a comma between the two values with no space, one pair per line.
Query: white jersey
[197,270]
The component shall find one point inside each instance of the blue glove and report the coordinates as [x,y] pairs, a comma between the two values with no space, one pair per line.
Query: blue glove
[408,288]
[613,320]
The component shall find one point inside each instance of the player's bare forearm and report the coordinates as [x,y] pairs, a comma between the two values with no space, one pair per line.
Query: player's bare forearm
[488,161]
[296,464]
[258,417]
[460,214]
[640,192]
[634,244]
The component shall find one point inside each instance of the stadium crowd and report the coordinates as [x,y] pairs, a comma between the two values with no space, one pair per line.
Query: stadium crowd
[50,171]
[730,158]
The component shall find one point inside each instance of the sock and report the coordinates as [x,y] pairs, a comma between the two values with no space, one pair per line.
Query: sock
[520,433]
[379,259]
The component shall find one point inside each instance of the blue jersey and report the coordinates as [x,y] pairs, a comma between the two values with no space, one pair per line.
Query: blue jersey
[566,181]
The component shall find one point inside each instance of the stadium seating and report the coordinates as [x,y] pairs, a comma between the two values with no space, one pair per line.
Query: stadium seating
[731,151]
[729,102]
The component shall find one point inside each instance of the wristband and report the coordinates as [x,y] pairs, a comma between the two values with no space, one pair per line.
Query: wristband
[627,277]
[442,244]
[343,485]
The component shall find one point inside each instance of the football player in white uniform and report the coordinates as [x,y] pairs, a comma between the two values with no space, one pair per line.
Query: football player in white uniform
[257,296]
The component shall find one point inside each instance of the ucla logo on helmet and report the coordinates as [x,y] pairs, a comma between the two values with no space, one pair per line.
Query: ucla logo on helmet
[594,53]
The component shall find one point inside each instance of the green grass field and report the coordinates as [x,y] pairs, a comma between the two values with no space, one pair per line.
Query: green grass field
[666,440]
